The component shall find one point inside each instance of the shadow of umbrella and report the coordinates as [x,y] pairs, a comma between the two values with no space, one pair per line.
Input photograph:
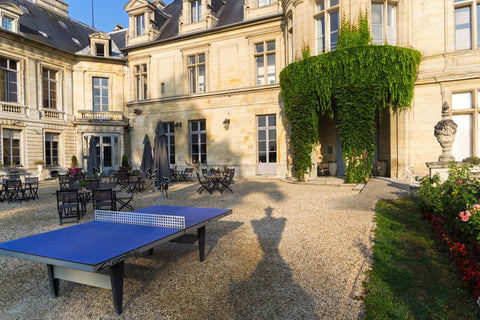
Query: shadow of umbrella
[147,159]
[92,160]
[161,170]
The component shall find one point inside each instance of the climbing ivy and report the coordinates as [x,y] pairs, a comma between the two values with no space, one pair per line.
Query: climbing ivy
[349,84]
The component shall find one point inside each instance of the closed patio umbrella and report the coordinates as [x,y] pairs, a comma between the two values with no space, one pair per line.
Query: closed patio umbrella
[160,156]
[92,160]
[147,159]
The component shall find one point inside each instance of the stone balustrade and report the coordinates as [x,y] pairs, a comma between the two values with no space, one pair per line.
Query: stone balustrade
[88,115]
[12,108]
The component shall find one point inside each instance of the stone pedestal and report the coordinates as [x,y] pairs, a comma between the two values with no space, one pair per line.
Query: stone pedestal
[438,167]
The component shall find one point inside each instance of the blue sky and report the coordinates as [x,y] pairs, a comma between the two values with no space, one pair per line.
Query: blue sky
[106,13]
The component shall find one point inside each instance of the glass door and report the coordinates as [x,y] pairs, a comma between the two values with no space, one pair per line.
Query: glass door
[267,145]
[107,148]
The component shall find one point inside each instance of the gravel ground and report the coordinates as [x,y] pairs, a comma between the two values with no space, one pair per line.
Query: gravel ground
[288,251]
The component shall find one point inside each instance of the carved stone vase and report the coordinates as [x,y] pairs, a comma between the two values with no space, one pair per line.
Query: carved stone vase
[445,131]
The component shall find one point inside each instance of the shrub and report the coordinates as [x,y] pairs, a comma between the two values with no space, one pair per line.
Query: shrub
[124,160]
[74,163]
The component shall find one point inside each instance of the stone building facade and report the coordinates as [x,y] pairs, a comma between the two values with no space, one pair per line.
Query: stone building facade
[209,70]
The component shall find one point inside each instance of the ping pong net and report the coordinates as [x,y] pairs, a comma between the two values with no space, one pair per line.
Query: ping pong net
[138,218]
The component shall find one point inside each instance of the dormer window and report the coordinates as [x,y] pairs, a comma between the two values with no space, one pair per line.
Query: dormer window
[139,24]
[7,23]
[9,14]
[195,11]
[99,44]
[99,49]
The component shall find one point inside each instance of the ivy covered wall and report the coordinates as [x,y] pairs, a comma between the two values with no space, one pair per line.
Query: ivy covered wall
[349,84]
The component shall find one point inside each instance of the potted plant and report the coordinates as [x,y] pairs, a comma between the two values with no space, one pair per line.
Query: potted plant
[125,163]
[83,184]
[74,165]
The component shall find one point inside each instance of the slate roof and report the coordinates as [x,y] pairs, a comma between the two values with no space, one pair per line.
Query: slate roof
[57,31]
[228,12]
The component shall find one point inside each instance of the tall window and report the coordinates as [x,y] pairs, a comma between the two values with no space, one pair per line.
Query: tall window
[195,11]
[290,47]
[49,86]
[196,73]
[11,147]
[8,80]
[100,94]
[169,130]
[327,19]
[467,24]
[141,81]
[51,149]
[384,30]
[466,114]
[7,23]
[265,55]
[198,141]
[139,24]
[262,3]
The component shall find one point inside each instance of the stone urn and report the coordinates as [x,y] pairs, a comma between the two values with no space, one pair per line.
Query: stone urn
[445,131]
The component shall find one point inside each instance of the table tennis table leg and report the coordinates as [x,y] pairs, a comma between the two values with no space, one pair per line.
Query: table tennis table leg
[201,242]
[116,278]
[54,283]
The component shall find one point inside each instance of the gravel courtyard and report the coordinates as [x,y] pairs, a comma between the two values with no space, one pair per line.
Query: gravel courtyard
[288,251]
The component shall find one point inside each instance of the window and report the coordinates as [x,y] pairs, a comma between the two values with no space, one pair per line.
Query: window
[267,139]
[11,147]
[141,81]
[7,23]
[327,19]
[51,149]
[196,73]
[290,46]
[262,3]
[100,49]
[384,30]
[8,80]
[139,25]
[49,86]
[467,24]
[265,52]
[198,141]
[169,130]
[466,114]
[195,11]
[100,94]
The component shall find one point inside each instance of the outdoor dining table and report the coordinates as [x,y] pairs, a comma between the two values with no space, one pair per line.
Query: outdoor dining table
[216,182]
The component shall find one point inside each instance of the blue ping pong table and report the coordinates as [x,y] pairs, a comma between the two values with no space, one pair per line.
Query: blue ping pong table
[79,252]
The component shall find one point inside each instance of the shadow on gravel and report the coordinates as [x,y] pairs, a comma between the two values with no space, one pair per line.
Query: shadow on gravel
[270,292]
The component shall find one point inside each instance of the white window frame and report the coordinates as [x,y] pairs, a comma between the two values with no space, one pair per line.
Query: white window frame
[10,72]
[50,139]
[263,3]
[198,157]
[197,69]
[466,103]
[12,21]
[387,28]
[100,88]
[265,56]
[141,81]
[12,134]
[50,88]
[195,11]
[325,37]
[472,28]
[140,24]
